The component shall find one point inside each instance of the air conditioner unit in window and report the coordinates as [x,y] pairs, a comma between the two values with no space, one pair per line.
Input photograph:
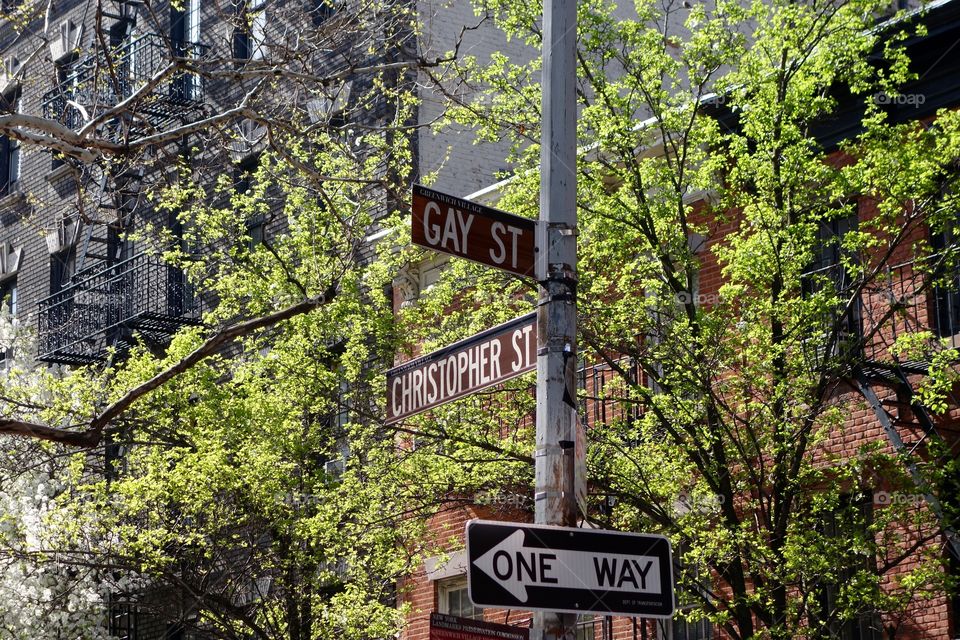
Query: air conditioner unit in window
[63,236]
[67,40]
[251,138]
[9,259]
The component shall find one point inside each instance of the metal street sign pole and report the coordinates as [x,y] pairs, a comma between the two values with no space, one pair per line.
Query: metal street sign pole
[557,313]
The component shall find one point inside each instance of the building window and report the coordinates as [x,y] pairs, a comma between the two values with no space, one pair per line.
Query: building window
[850,517]
[10,150]
[954,565]
[323,10]
[683,630]
[249,37]
[242,181]
[184,35]
[691,592]
[946,291]
[8,295]
[255,231]
[62,265]
[828,271]
[68,82]
[585,629]
[185,22]
[453,600]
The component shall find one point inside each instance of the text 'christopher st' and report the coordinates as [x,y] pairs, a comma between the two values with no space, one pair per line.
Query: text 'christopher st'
[486,359]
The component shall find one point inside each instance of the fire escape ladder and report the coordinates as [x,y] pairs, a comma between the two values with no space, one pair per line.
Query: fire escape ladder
[116,202]
[893,376]
[96,232]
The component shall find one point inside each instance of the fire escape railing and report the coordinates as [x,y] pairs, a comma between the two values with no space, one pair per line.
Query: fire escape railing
[842,325]
[139,298]
[923,295]
[98,82]
[926,293]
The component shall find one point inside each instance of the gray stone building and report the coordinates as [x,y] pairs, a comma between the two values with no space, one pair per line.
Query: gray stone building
[148,85]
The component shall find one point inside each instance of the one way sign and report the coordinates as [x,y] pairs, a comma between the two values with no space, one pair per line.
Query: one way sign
[537,567]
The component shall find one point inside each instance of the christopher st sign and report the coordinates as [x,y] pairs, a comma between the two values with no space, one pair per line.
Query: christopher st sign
[482,360]
[539,567]
[469,230]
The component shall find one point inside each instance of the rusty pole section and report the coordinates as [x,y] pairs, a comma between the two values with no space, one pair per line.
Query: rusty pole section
[557,311]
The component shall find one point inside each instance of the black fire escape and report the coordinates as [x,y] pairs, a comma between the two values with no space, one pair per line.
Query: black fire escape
[115,296]
[922,298]
[97,83]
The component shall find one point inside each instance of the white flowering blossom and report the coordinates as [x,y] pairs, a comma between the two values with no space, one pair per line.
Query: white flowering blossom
[42,596]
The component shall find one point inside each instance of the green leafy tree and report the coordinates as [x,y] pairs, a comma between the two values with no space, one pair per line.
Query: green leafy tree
[728,416]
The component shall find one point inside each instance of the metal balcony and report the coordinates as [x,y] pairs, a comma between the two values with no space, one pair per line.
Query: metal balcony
[97,83]
[141,298]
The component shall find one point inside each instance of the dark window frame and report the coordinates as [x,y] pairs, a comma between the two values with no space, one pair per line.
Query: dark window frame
[9,294]
[256,226]
[449,589]
[249,37]
[10,159]
[828,265]
[944,317]
[867,625]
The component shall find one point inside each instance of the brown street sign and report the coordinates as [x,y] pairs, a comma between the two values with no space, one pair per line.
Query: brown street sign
[444,627]
[473,231]
[482,360]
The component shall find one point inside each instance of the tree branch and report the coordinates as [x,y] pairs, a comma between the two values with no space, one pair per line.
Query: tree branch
[93,433]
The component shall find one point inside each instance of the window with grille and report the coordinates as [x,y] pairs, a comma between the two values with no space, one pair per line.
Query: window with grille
[849,517]
[689,585]
[945,296]
[828,273]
